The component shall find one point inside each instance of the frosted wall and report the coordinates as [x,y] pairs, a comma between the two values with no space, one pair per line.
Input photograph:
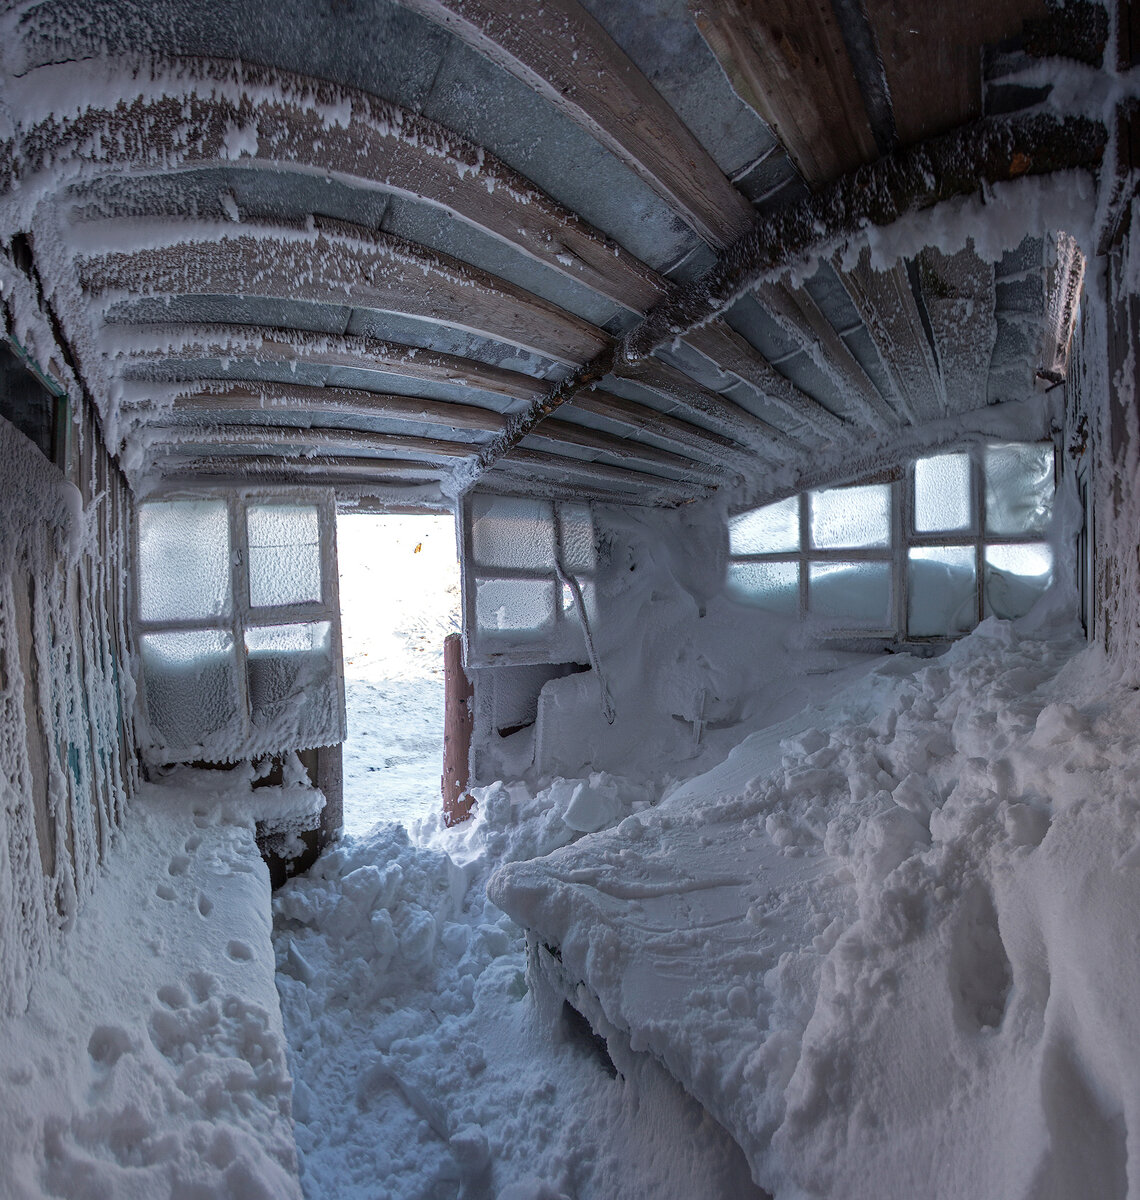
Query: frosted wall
[67,764]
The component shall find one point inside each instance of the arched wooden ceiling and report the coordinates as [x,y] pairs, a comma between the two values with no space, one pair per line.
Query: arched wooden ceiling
[415,245]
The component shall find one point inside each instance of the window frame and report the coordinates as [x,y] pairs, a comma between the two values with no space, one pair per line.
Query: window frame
[904,538]
[524,651]
[243,615]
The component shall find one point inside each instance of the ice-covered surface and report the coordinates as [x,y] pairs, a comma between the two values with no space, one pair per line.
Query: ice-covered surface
[882,942]
[398,603]
[150,1061]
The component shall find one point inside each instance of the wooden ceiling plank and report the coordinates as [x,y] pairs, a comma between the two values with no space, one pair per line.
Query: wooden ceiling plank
[798,314]
[908,181]
[226,395]
[563,54]
[296,440]
[887,306]
[138,348]
[311,125]
[720,343]
[932,57]
[561,433]
[525,461]
[958,293]
[664,380]
[328,266]
[787,59]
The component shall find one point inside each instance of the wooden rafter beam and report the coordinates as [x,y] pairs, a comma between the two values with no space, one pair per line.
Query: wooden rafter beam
[294,122]
[908,181]
[335,264]
[561,52]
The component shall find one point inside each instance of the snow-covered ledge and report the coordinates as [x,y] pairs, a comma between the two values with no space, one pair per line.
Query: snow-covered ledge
[151,1058]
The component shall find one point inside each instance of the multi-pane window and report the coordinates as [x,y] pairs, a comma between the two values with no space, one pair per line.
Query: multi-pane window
[925,553]
[528,568]
[239,626]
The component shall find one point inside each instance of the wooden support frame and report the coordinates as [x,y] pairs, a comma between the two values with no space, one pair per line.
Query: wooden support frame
[458,724]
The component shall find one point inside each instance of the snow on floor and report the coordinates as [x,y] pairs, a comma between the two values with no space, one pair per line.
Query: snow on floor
[151,1061]
[399,593]
[891,944]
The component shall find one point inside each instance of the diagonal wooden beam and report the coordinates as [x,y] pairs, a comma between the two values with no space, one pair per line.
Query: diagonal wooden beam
[908,181]
[180,115]
[335,264]
[561,52]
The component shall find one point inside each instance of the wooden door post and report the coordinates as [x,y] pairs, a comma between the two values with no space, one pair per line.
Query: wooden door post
[457,725]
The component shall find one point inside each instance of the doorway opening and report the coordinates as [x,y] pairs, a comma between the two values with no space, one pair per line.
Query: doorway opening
[399,595]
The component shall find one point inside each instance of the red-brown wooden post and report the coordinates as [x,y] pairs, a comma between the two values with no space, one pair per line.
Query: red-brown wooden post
[458,722]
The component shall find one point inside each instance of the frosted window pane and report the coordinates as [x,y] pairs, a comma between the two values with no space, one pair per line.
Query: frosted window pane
[942,583]
[184,560]
[514,605]
[191,685]
[773,529]
[1019,488]
[858,593]
[1015,577]
[290,670]
[942,494]
[853,516]
[284,554]
[510,532]
[578,552]
[773,586]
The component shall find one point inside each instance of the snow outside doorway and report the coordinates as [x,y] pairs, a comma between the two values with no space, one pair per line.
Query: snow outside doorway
[399,595]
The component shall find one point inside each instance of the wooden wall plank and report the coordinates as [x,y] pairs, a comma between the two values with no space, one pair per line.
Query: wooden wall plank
[561,52]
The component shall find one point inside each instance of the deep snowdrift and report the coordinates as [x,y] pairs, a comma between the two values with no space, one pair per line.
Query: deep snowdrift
[889,944]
